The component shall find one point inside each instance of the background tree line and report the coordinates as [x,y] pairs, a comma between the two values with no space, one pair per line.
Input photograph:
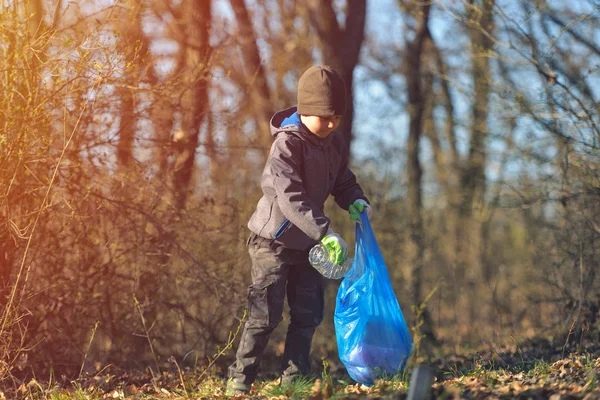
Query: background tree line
[133,134]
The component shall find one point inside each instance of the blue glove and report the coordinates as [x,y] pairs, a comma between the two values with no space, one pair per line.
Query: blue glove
[357,207]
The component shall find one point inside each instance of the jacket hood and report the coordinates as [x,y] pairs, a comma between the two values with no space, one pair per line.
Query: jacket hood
[300,131]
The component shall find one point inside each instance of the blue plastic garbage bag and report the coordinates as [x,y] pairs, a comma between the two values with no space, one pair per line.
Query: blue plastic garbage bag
[372,336]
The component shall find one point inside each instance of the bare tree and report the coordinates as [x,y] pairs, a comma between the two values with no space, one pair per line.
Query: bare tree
[414,60]
[479,19]
[255,74]
[133,48]
[563,76]
[196,15]
[341,46]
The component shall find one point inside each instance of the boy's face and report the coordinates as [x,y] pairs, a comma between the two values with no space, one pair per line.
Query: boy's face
[321,126]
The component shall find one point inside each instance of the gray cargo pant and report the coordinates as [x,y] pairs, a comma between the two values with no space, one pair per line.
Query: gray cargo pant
[277,271]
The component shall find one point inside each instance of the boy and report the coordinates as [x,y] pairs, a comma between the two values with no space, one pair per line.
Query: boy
[308,161]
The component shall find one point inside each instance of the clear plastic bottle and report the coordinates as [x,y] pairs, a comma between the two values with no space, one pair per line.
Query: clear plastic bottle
[318,257]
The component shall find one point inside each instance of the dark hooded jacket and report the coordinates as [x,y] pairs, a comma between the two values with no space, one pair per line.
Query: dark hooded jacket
[302,170]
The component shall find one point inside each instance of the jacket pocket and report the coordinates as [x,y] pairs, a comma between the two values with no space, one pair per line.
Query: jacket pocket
[277,224]
[282,229]
[260,216]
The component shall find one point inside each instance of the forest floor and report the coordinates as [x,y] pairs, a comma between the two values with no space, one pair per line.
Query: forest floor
[536,369]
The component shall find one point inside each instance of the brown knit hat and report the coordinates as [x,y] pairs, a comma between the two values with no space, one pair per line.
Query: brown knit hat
[321,92]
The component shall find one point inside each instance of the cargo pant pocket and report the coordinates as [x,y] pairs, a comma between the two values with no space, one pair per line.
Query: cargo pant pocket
[265,304]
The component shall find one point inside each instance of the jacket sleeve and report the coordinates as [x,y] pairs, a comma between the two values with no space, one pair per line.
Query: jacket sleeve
[293,202]
[345,188]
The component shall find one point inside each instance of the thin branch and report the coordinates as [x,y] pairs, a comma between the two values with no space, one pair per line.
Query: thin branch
[9,304]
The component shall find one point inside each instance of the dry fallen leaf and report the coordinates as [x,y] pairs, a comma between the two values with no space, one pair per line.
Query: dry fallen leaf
[315,391]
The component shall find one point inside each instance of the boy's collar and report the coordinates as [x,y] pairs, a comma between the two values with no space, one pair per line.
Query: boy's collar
[304,131]
[314,138]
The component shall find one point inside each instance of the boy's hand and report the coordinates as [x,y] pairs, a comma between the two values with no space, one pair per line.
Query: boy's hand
[357,207]
[336,246]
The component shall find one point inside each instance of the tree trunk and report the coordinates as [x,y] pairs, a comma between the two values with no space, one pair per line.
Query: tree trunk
[194,99]
[414,60]
[341,46]
[430,131]
[480,18]
[473,179]
[162,121]
[256,79]
[131,27]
